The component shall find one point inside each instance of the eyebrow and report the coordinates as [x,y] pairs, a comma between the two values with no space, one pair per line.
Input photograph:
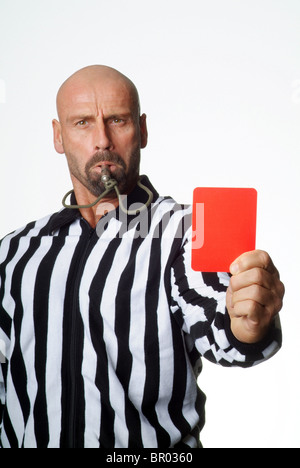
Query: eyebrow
[83,116]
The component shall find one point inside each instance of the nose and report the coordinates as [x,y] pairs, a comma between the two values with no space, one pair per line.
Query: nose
[102,137]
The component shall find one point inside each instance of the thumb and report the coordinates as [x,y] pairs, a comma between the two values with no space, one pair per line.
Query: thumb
[229,294]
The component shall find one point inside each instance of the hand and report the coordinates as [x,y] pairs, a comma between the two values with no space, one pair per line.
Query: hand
[254,296]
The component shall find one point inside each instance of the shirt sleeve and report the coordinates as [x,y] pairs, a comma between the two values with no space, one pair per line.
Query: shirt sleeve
[2,365]
[199,306]
[5,322]
[2,394]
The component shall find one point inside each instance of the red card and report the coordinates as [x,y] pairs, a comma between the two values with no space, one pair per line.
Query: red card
[224,226]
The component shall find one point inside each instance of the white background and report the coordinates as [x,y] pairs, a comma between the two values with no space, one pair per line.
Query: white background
[220,83]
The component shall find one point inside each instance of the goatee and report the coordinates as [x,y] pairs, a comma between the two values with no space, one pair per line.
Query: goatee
[126,177]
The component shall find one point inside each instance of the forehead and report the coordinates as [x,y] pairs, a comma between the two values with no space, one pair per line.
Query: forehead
[103,96]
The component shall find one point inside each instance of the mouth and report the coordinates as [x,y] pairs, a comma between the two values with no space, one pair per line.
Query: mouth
[105,164]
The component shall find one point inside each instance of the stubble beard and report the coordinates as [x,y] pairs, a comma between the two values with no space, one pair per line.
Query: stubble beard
[126,177]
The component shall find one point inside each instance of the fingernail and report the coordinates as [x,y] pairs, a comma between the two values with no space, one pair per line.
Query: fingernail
[234,268]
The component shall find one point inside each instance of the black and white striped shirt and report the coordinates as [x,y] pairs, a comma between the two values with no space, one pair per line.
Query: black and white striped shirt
[104,331]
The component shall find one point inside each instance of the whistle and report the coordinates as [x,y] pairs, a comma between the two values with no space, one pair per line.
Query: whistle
[105,174]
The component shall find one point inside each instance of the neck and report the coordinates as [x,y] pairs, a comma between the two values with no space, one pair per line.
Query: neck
[93,214]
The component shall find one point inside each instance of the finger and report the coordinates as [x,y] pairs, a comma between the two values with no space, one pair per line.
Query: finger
[257,276]
[280,288]
[249,309]
[256,293]
[263,279]
[253,259]
[249,322]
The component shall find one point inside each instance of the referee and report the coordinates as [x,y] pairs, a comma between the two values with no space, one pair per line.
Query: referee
[103,321]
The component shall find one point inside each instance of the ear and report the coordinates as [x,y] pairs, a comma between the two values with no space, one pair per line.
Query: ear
[57,137]
[144,131]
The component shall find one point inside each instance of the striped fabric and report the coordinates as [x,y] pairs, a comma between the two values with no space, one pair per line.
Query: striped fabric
[104,331]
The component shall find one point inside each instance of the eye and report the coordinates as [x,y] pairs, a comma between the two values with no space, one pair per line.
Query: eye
[117,121]
[81,123]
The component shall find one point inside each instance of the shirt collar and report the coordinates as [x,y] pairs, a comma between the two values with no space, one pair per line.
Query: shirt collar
[67,216]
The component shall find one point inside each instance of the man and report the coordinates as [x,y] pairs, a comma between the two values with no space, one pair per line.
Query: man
[103,319]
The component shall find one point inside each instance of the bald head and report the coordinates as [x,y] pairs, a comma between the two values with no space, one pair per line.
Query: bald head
[99,123]
[96,77]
